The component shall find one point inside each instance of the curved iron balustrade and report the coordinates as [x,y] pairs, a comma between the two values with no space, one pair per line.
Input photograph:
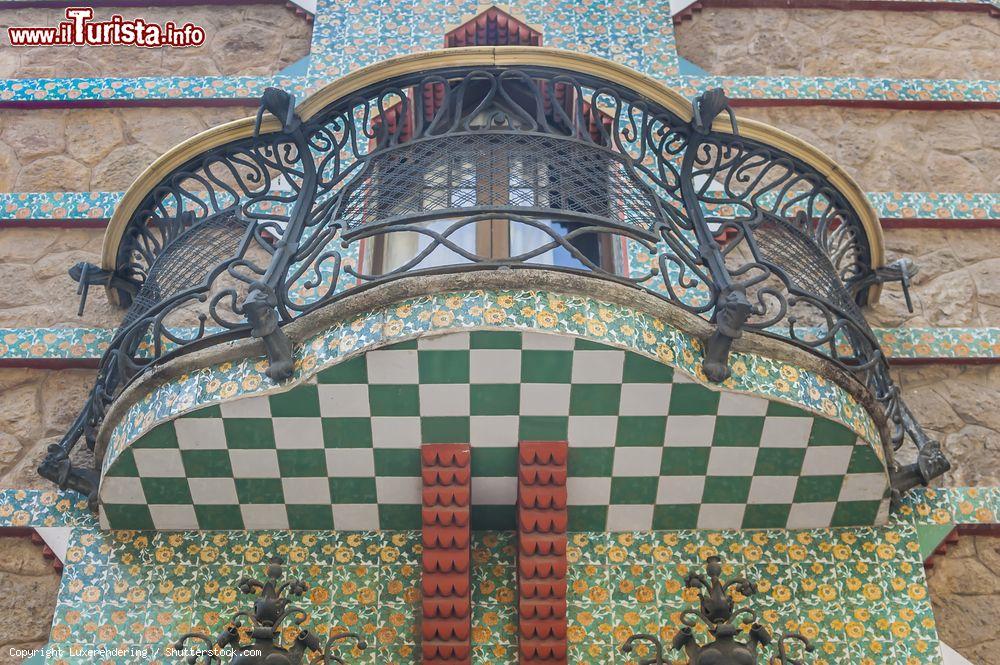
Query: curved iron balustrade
[256,232]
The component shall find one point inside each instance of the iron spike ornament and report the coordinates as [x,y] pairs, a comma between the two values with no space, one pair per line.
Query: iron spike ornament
[272,608]
[718,610]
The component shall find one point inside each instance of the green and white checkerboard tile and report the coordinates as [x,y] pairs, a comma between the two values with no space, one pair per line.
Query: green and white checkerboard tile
[648,447]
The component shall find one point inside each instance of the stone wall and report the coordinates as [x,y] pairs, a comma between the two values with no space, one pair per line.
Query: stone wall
[256,39]
[891,150]
[829,42]
[965,592]
[94,149]
[26,576]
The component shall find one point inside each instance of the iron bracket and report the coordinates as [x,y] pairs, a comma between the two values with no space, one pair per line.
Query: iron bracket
[900,270]
[731,315]
[259,307]
[87,274]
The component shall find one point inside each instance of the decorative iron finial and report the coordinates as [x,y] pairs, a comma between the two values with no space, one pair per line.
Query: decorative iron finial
[718,610]
[271,609]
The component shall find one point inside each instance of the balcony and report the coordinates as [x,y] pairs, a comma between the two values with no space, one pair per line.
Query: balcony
[696,278]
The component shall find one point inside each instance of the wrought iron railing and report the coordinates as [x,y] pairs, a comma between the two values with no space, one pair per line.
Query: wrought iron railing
[401,178]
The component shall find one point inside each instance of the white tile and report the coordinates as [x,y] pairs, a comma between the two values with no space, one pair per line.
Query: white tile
[772,489]
[306,490]
[398,490]
[588,491]
[173,517]
[882,516]
[645,399]
[248,407]
[356,517]
[785,432]
[495,366]
[102,518]
[444,399]
[395,366]
[811,515]
[494,431]
[200,433]
[545,399]
[115,489]
[598,366]
[731,461]
[689,431]
[264,516]
[487,491]
[350,462]
[213,491]
[449,341]
[630,518]
[396,432]
[637,461]
[826,460]
[680,489]
[344,400]
[298,433]
[592,431]
[681,377]
[736,404]
[547,342]
[721,515]
[863,487]
[159,462]
[254,463]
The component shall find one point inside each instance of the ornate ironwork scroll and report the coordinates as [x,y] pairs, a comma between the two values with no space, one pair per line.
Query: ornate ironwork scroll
[579,170]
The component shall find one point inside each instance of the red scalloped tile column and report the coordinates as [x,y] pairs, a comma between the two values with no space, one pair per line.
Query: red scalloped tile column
[447,605]
[541,551]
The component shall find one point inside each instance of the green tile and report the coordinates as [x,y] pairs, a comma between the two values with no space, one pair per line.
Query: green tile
[683,461]
[219,517]
[738,430]
[405,345]
[259,490]
[766,516]
[309,516]
[494,339]
[444,429]
[302,463]
[543,428]
[124,465]
[786,410]
[828,433]
[779,461]
[495,399]
[726,489]
[394,400]
[586,345]
[546,366]
[594,399]
[640,369]
[864,460]
[634,490]
[300,402]
[207,412]
[353,490]
[494,462]
[855,513]
[590,462]
[249,433]
[397,462]
[128,516]
[347,432]
[443,366]
[690,399]
[641,430]
[681,516]
[398,517]
[493,518]
[206,463]
[812,489]
[587,518]
[354,370]
[161,436]
[166,490]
